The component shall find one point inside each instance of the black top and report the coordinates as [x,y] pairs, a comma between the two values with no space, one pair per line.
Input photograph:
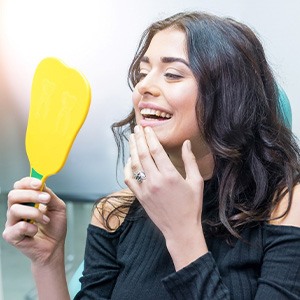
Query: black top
[133,263]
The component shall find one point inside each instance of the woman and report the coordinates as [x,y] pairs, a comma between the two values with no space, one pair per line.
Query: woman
[213,199]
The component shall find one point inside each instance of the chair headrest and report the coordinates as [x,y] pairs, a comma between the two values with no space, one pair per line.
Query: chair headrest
[285,107]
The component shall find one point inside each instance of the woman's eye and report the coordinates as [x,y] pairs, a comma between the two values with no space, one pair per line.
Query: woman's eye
[141,75]
[173,76]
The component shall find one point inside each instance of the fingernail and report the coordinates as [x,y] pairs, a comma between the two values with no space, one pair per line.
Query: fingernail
[16,184]
[46,219]
[136,128]
[188,145]
[35,183]
[43,197]
[147,129]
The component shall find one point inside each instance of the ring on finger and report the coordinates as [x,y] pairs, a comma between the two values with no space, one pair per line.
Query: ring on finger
[139,176]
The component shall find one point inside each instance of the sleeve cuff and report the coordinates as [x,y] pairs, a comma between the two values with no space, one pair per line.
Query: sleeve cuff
[199,280]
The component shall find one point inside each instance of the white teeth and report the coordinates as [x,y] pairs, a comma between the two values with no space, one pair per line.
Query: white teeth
[153,112]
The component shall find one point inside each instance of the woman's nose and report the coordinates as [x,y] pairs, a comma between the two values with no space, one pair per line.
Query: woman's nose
[148,85]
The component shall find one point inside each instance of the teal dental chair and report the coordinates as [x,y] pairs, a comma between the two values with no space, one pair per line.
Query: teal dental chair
[285,108]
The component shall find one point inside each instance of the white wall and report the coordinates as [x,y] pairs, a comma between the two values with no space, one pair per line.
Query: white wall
[99,38]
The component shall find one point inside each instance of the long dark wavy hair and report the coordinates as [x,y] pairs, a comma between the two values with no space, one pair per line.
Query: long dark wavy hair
[256,156]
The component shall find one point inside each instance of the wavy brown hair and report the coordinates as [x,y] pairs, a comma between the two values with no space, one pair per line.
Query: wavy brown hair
[256,156]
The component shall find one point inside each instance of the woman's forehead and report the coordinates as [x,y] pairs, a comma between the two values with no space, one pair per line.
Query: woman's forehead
[167,43]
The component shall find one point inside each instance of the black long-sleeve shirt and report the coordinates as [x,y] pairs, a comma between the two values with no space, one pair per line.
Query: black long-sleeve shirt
[133,263]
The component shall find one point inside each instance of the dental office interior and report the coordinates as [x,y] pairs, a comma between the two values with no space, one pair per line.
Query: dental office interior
[99,39]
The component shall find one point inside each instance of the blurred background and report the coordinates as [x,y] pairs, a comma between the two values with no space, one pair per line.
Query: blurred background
[99,38]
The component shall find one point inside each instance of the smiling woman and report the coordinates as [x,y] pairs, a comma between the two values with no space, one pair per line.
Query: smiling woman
[212,200]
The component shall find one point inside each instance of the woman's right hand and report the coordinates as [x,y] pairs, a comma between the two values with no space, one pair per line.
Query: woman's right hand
[43,240]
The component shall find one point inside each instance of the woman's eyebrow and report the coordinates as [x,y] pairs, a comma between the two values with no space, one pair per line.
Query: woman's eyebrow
[174,59]
[166,60]
[145,59]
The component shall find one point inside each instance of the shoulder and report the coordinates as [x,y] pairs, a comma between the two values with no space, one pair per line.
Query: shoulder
[292,216]
[110,212]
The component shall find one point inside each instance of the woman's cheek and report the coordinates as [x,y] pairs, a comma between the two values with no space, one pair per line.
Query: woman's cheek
[136,97]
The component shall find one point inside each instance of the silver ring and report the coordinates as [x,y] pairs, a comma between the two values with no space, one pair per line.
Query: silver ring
[139,176]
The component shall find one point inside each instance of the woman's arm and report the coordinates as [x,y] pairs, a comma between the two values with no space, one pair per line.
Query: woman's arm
[279,270]
[51,280]
[174,203]
[42,241]
[101,267]
[280,276]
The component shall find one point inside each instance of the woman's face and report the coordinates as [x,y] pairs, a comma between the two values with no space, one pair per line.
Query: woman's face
[166,95]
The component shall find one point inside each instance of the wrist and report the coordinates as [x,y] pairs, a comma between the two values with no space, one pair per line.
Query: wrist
[52,261]
[50,277]
[186,247]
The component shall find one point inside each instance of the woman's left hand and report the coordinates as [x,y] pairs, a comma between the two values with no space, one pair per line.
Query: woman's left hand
[172,202]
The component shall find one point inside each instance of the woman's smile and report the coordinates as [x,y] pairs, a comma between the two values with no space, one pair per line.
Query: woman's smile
[153,115]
